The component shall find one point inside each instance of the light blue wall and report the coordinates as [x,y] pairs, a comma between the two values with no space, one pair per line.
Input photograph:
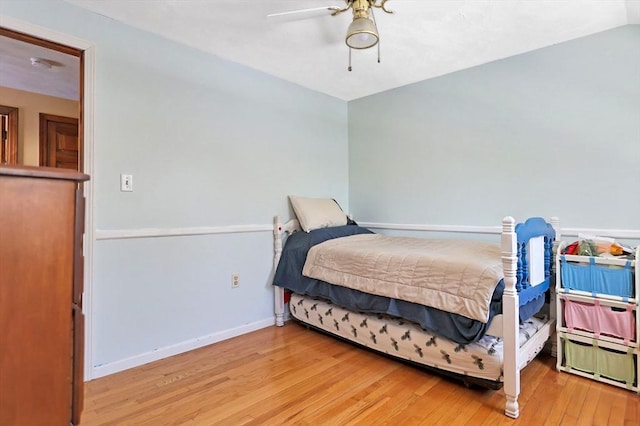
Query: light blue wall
[554,132]
[209,143]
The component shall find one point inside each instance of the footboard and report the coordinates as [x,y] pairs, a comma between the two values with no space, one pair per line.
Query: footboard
[527,260]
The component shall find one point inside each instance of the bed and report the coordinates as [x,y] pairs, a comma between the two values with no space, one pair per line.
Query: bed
[466,308]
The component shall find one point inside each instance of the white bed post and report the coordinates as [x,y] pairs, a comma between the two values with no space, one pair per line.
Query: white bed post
[278,292]
[510,302]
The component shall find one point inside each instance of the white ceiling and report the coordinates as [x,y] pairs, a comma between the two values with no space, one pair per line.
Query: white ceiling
[420,40]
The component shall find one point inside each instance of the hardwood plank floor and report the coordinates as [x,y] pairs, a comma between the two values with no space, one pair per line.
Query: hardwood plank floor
[292,375]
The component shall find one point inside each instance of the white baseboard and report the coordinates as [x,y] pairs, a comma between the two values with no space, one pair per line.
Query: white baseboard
[158,354]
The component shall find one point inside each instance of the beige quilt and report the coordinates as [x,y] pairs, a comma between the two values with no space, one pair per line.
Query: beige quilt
[456,276]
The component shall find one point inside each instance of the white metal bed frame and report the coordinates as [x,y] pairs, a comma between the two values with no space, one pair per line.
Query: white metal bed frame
[505,325]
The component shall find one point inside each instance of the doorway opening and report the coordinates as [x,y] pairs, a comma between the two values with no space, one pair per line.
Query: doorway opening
[83,51]
[40,77]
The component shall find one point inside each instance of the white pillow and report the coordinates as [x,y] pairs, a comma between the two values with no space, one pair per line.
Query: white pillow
[315,213]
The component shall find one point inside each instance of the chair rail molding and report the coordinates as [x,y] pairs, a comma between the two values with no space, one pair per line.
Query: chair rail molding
[121,234]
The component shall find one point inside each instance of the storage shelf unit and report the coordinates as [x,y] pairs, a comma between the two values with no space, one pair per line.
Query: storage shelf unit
[598,326]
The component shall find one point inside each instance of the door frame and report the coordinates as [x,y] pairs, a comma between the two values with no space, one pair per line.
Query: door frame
[86,129]
[12,147]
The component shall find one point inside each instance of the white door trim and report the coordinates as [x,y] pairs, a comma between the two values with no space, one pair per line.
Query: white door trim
[88,124]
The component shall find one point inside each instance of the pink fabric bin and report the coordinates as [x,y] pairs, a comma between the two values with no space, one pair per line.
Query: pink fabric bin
[599,319]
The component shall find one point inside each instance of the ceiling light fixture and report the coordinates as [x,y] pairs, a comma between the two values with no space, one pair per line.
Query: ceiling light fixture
[41,63]
[363,31]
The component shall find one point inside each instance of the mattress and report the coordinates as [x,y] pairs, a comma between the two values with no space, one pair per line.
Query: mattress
[403,339]
[289,276]
[457,276]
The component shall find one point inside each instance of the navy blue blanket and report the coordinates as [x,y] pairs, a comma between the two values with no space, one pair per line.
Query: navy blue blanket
[288,274]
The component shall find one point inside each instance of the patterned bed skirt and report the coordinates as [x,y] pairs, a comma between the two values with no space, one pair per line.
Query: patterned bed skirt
[406,340]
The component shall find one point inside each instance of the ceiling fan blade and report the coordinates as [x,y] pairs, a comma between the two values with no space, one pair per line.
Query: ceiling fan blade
[304,13]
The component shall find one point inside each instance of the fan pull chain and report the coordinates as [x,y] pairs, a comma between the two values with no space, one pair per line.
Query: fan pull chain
[373,16]
[349,59]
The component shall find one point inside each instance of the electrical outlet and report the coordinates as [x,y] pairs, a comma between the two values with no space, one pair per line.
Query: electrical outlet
[235,280]
[126,183]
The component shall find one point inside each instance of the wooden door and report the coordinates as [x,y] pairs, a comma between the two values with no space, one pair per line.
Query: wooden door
[59,143]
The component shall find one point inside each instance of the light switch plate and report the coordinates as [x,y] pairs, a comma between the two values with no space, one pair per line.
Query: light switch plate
[126,183]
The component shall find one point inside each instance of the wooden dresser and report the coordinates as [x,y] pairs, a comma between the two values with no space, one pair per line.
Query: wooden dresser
[41,284]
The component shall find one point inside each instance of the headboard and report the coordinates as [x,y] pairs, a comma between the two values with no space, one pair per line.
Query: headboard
[535,243]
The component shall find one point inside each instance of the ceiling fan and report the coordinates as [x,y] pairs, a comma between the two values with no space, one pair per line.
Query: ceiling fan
[362,33]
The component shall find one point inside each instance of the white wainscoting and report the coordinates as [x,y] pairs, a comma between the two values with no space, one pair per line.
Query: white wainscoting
[97,371]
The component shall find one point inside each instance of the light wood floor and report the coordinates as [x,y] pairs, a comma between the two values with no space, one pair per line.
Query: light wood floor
[291,375]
